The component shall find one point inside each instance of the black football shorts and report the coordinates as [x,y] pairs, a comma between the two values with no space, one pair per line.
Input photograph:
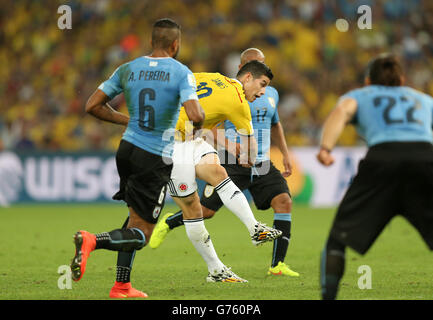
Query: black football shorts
[143,180]
[393,179]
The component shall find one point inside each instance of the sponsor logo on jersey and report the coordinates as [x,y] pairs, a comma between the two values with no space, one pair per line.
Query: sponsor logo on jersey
[271,102]
[191,80]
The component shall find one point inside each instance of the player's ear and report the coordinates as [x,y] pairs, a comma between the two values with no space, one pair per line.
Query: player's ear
[175,45]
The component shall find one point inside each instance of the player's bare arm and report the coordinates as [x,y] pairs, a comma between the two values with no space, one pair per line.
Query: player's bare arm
[277,135]
[195,113]
[98,106]
[248,151]
[333,127]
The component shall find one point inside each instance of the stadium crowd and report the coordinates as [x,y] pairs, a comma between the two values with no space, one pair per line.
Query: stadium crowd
[47,74]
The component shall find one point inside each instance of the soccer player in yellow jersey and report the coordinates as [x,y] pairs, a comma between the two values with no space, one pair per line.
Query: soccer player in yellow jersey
[222,99]
[266,184]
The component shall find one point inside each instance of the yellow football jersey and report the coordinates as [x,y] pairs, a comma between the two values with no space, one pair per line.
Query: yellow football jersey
[222,99]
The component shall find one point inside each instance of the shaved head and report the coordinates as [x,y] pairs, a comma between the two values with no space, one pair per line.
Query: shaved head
[251,54]
[164,32]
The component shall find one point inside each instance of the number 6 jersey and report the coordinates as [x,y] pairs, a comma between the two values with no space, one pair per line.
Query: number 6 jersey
[392,114]
[154,90]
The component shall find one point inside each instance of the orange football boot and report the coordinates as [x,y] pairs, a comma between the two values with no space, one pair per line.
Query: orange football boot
[125,290]
[85,242]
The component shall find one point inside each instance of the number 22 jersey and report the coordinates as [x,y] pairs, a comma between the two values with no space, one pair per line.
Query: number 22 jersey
[392,114]
[154,90]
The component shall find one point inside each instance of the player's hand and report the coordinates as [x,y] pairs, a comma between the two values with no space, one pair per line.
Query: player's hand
[247,165]
[287,167]
[324,156]
[245,161]
[193,134]
[197,133]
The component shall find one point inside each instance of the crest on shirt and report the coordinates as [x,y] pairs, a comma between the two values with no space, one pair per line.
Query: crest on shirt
[208,190]
[183,187]
[191,80]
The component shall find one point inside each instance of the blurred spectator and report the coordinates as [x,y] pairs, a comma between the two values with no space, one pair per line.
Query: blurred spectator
[48,74]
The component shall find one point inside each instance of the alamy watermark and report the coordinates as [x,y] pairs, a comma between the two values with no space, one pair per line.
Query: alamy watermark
[65,20]
[65,279]
[365,280]
[365,20]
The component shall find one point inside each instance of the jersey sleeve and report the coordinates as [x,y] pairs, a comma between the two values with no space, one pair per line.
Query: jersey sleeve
[241,119]
[112,87]
[230,131]
[431,110]
[275,119]
[187,87]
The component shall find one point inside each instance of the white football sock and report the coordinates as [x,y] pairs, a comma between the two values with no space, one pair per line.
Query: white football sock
[236,202]
[197,233]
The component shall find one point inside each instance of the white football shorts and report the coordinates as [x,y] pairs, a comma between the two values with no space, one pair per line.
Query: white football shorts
[186,155]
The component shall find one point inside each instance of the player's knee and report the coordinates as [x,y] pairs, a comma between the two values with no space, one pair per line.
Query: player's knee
[192,203]
[191,207]
[143,237]
[219,174]
[142,232]
[282,203]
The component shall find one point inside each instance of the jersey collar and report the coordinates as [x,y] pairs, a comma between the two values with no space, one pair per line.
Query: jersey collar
[158,57]
[240,83]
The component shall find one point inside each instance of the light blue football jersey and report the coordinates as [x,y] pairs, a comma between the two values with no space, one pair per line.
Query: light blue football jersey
[264,114]
[154,90]
[392,114]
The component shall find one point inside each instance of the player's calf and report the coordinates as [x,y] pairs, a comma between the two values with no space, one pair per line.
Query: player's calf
[331,268]
[128,239]
[207,213]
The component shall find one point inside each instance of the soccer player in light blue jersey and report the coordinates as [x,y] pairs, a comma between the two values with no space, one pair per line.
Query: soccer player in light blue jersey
[396,175]
[266,184]
[155,87]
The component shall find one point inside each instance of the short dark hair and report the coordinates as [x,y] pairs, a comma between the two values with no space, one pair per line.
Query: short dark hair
[256,68]
[164,32]
[385,70]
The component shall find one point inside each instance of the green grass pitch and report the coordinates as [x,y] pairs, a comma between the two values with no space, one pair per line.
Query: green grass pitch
[37,239]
